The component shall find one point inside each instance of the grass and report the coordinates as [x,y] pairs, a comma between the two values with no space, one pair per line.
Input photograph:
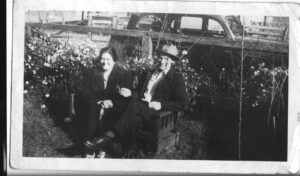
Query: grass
[42,136]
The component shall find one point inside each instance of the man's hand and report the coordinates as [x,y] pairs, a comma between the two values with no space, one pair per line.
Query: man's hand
[105,104]
[155,105]
[147,98]
[125,92]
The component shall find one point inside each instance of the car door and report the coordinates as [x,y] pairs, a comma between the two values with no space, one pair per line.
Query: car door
[207,50]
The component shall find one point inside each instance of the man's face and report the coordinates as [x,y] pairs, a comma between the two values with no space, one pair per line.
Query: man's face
[164,62]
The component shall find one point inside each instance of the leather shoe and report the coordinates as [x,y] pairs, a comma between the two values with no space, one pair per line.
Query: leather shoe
[87,155]
[131,153]
[101,143]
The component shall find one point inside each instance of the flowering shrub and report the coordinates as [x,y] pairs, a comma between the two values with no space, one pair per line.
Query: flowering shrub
[53,68]
[200,87]
[139,66]
[264,84]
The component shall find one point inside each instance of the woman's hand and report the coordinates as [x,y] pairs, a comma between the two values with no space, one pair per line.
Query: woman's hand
[125,92]
[105,104]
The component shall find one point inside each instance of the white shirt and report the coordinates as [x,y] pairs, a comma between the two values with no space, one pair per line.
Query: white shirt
[105,77]
[152,84]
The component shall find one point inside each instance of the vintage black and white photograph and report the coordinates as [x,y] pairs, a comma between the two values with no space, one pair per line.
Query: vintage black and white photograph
[155,86]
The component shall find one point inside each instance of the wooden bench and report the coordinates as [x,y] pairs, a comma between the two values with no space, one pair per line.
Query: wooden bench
[164,137]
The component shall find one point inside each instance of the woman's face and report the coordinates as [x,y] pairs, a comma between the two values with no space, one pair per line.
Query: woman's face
[106,61]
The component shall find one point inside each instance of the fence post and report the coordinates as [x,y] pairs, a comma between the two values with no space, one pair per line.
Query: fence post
[29,31]
[147,46]
[115,22]
[71,112]
[285,34]
[63,18]
[82,15]
[90,18]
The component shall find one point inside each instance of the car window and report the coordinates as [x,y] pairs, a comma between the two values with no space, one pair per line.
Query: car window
[191,25]
[215,29]
[149,22]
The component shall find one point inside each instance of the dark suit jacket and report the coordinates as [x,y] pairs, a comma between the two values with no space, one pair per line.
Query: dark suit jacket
[86,106]
[170,91]
[93,86]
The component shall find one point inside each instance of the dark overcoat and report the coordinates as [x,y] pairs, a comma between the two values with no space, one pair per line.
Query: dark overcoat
[170,91]
[93,91]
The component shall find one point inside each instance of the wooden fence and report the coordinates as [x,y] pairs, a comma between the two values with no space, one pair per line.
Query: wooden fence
[265,31]
[280,47]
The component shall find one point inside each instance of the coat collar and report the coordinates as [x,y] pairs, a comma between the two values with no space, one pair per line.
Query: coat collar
[112,77]
[169,76]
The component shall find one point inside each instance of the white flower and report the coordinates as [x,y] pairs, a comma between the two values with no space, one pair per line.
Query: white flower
[43,106]
[47,95]
[252,67]
[27,82]
[262,64]
[256,72]
[48,58]
[34,72]
[184,52]
[25,91]
[47,65]
[45,82]
[76,51]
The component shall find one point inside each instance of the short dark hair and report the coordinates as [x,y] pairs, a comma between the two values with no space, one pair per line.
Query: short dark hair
[111,50]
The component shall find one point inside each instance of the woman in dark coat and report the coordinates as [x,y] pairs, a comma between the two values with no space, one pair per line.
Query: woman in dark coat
[102,99]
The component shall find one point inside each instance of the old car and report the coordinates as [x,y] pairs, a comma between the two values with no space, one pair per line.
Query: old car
[213,42]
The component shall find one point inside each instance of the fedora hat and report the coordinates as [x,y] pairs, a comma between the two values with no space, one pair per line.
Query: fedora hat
[169,50]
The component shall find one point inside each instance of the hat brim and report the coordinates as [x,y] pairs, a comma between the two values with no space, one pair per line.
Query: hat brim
[161,52]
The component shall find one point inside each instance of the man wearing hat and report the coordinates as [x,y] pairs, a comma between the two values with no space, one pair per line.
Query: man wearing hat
[161,89]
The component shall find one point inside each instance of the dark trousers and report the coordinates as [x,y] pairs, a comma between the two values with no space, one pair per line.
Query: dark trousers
[136,116]
[88,112]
